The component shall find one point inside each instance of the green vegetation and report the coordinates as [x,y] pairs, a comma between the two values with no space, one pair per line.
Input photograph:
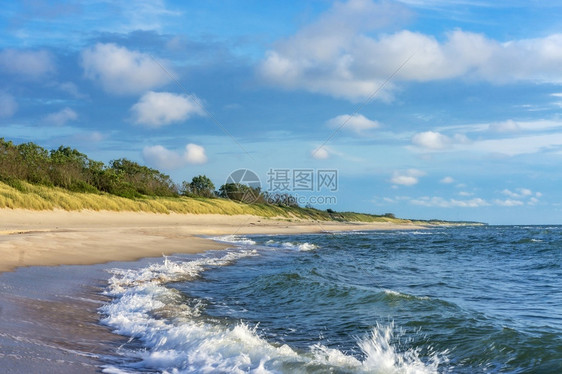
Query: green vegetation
[200,186]
[34,178]
[74,171]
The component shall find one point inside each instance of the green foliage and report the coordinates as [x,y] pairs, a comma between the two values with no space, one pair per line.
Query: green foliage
[144,180]
[74,171]
[200,186]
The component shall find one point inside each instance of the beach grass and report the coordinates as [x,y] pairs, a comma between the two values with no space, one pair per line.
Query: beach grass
[23,195]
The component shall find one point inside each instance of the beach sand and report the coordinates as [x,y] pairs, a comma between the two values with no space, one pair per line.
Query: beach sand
[48,313]
[48,238]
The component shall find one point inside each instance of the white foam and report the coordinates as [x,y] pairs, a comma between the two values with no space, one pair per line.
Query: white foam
[178,339]
[292,245]
[234,239]
[405,296]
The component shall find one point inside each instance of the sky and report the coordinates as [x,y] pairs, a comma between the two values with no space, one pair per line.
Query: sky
[426,109]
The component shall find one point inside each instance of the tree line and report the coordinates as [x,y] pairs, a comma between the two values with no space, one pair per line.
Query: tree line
[70,169]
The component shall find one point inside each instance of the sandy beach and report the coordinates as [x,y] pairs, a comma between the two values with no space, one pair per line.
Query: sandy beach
[48,313]
[48,238]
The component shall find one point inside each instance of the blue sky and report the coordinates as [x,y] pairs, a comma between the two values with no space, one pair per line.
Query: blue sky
[426,108]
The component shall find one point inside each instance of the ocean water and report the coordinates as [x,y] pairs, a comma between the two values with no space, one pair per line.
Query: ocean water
[443,300]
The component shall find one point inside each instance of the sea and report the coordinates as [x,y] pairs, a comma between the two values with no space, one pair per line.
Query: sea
[468,299]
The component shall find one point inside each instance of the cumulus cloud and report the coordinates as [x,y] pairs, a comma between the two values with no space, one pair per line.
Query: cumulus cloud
[27,64]
[431,140]
[8,105]
[357,123]
[447,180]
[156,109]
[61,117]
[122,71]
[163,158]
[195,154]
[336,55]
[406,178]
[434,141]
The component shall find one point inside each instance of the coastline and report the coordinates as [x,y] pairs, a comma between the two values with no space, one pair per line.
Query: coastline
[52,272]
[49,238]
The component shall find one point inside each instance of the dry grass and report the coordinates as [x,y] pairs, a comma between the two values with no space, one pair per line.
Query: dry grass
[35,197]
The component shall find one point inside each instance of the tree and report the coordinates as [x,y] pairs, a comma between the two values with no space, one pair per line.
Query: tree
[70,169]
[201,186]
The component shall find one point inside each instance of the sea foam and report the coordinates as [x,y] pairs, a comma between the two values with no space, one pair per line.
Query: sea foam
[177,337]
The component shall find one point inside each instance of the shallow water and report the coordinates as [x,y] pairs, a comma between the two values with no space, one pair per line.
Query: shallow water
[458,300]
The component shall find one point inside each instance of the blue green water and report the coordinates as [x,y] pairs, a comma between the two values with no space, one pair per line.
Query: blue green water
[444,300]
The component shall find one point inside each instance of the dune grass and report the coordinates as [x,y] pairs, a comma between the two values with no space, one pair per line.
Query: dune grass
[23,195]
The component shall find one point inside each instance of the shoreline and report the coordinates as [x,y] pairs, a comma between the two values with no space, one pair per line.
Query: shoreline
[49,238]
[52,273]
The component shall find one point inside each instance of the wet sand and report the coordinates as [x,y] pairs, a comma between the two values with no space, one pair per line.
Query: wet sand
[49,321]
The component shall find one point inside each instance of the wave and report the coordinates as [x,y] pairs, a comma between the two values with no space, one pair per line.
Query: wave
[177,337]
[292,245]
[399,295]
[234,239]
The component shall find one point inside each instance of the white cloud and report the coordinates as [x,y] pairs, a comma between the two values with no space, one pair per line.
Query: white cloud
[27,64]
[320,153]
[525,191]
[357,123]
[121,71]
[506,126]
[336,55]
[449,203]
[520,196]
[533,201]
[509,202]
[520,193]
[447,180]
[195,154]
[163,158]
[61,117]
[156,109]
[406,178]
[8,105]
[431,140]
